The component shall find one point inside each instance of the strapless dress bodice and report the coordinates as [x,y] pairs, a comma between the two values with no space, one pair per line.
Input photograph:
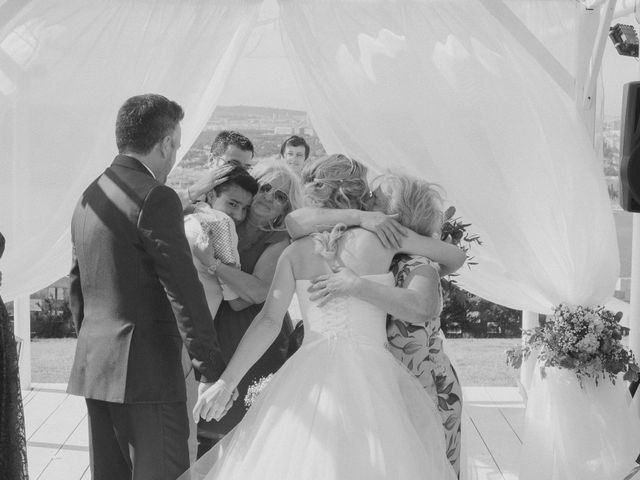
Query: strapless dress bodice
[347,318]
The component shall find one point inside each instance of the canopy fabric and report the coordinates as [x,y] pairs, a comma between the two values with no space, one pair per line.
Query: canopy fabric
[66,66]
[443,89]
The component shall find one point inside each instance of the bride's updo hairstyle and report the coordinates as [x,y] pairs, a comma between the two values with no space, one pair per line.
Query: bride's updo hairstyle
[335,181]
[417,203]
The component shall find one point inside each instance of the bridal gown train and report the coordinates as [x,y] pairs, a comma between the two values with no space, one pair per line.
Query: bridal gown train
[341,408]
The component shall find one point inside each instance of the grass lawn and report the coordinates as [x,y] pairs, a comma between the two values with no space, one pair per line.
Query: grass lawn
[479,361]
[51,359]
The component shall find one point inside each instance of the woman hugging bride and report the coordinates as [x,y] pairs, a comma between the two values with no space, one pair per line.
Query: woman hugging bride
[342,407]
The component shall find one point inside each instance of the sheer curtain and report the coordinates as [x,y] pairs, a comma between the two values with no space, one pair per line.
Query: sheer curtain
[65,68]
[441,89]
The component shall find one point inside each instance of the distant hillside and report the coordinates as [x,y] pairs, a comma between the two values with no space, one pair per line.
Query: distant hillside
[246,110]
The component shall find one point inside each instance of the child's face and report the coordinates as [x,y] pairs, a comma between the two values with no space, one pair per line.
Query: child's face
[233,200]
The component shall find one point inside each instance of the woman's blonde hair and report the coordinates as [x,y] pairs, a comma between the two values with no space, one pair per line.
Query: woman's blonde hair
[275,170]
[417,203]
[335,181]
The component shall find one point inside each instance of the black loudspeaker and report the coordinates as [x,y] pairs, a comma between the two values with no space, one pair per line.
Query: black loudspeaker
[630,148]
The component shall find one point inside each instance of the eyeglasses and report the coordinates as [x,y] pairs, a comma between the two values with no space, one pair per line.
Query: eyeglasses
[218,161]
[278,195]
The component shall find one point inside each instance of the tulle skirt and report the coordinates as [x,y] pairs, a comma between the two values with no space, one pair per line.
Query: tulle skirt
[337,410]
[575,433]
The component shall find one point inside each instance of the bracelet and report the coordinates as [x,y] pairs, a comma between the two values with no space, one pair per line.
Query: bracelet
[214,266]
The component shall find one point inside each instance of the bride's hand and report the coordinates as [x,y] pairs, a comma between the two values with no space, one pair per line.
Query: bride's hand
[386,227]
[325,287]
[214,400]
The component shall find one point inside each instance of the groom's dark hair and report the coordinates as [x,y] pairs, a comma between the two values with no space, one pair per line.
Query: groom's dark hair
[144,120]
[1,245]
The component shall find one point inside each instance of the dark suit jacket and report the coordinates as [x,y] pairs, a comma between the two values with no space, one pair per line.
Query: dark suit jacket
[135,292]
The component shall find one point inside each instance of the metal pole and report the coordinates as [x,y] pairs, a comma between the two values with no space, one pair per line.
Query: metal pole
[22,325]
[598,51]
[589,22]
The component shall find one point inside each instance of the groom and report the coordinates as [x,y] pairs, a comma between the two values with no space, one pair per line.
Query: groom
[135,298]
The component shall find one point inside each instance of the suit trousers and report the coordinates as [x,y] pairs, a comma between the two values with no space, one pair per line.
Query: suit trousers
[140,441]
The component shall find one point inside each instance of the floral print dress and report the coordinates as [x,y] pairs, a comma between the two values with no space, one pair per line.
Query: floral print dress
[419,348]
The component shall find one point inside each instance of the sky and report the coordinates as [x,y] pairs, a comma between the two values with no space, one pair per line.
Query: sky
[263,77]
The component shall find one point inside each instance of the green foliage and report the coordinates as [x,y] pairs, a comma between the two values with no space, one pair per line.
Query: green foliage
[454,231]
[472,316]
[477,317]
[53,321]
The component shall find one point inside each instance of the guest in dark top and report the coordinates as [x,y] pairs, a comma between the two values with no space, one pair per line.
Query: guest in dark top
[13,445]
[261,239]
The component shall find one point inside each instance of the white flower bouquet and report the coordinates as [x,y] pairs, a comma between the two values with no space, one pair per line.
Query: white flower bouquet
[586,340]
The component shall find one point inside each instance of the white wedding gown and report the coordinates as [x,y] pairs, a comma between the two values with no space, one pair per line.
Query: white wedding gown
[341,408]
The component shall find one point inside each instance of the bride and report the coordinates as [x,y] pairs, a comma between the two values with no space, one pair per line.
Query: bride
[342,407]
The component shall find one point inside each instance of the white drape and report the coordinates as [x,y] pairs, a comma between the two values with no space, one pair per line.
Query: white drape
[442,89]
[439,87]
[65,68]
[575,433]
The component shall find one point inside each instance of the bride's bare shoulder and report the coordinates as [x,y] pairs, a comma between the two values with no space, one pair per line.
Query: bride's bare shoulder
[361,238]
[353,238]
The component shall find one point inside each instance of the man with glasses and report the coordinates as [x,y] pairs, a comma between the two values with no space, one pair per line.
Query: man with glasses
[230,146]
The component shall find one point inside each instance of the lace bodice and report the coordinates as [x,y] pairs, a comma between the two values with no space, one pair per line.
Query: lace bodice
[344,317]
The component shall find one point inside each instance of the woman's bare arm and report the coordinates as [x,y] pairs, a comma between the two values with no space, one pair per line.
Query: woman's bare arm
[391,233]
[259,336]
[417,303]
[448,256]
[304,221]
[253,288]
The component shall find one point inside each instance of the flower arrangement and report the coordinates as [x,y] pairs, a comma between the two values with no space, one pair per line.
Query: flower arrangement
[454,231]
[255,388]
[586,340]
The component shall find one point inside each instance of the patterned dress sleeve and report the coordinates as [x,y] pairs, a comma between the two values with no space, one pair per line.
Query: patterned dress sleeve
[420,349]
[412,343]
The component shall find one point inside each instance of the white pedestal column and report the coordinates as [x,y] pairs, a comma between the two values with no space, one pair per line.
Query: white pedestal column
[529,321]
[634,308]
[22,322]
